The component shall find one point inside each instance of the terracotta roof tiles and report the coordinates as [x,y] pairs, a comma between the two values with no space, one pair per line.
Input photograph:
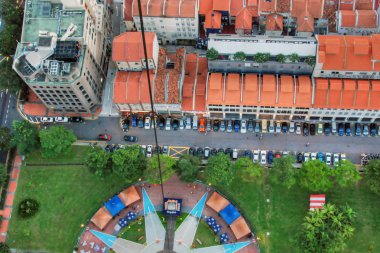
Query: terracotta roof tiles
[274,22]
[127,47]
[233,92]
[268,90]
[367,18]
[213,20]
[215,88]
[303,91]
[251,90]
[244,20]
[286,91]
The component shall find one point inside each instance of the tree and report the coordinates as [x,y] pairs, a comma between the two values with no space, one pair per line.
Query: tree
[25,136]
[129,163]
[3,175]
[219,170]
[9,79]
[212,54]
[372,173]
[152,173]
[188,167]
[247,169]
[4,248]
[294,58]
[98,161]
[56,140]
[315,176]
[345,173]
[28,208]
[261,57]
[281,58]
[240,56]
[310,60]
[326,230]
[283,171]
[5,138]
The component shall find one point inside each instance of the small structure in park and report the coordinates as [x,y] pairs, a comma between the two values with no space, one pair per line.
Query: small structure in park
[317,201]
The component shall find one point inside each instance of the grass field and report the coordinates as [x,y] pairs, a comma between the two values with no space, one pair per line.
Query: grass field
[75,156]
[205,235]
[134,232]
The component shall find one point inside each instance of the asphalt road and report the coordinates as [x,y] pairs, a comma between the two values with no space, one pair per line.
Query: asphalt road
[8,111]
[352,146]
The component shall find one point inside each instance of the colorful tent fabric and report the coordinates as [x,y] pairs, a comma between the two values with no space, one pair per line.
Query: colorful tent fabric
[114,205]
[129,196]
[101,218]
[317,201]
[229,214]
[216,202]
[240,228]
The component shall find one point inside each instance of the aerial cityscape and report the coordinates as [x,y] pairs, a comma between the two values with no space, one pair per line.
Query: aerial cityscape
[178,126]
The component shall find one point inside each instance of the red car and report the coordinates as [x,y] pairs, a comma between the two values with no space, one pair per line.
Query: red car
[105,137]
[202,125]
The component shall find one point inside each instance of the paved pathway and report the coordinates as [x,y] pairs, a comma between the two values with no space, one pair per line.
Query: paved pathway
[6,213]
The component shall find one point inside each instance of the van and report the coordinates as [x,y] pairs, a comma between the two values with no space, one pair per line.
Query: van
[333,127]
[264,126]
[195,122]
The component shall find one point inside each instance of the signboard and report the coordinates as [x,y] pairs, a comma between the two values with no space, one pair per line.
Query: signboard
[172,206]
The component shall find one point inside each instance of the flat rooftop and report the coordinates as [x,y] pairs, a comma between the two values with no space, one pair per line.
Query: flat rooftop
[47,16]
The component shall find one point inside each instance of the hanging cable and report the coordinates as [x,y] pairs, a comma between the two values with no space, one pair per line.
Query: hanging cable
[151,96]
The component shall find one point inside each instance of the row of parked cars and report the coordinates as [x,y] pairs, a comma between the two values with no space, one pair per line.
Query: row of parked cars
[244,126]
[61,119]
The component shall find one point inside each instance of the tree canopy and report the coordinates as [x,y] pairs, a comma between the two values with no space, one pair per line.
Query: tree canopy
[372,172]
[12,15]
[25,136]
[283,171]
[212,54]
[98,161]
[3,174]
[9,79]
[345,173]
[5,138]
[240,56]
[4,248]
[188,167]
[56,140]
[152,173]
[219,170]
[326,230]
[315,176]
[247,169]
[129,162]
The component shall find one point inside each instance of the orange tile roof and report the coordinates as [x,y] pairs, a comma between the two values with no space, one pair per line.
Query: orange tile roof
[253,7]
[132,96]
[128,10]
[375,95]
[274,22]
[286,91]
[251,90]
[283,6]
[335,93]
[215,88]
[172,8]
[305,24]
[233,91]
[364,4]
[213,20]
[236,6]
[358,53]
[348,18]
[367,18]
[188,83]
[315,8]
[347,4]
[35,109]
[348,96]
[244,20]
[205,6]
[267,6]
[120,87]
[362,94]
[306,11]
[376,47]
[320,96]
[188,9]
[155,8]
[135,8]
[200,93]
[127,47]
[303,91]
[268,90]
[144,87]
[221,5]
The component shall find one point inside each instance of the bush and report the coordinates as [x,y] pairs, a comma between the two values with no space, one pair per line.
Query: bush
[281,58]
[28,208]
[310,60]
[294,58]
[240,56]
[212,54]
[3,174]
[261,57]
[4,248]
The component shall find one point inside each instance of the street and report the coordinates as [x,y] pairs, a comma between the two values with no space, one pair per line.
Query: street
[352,146]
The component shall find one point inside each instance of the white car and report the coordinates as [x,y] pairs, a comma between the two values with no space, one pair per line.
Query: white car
[336,159]
[298,128]
[243,128]
[291,127]
[343,157]
[306,157]
[147,123]
[235,153]
[256,154]
[263,157]
[285,153]
[328,158]
[149,150]
[271,127]
[61,119]
[181,124]
[47,119]
[313,156]
[168,124]
[278,127]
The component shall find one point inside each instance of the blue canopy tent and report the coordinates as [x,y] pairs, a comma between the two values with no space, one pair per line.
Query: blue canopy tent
[229,214]
[114,205]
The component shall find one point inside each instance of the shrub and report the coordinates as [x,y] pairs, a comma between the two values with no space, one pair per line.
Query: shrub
[28,208]
[212,54]
[261,57]
[294,58]
[4,248]
[310,60]
[281,58]
[240,56]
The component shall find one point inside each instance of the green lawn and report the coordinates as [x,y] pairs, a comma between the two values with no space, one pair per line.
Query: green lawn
[135,231]
[206,236]
[68,197]
[75,156]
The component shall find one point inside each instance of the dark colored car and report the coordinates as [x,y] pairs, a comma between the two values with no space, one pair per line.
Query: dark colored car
[76,119]
[200,152]
[134,121]
[213,152]
[125,125]
[237,126]
[312,129]
[372,129]
[358,129]
[321,156]
[327,128]
[228,151]
[192,151]
[305,129]
[347,127]
[284,127]
[299,158]
[248,153]
[340,129]
[216,126]
[105,137]
[270,157]
[109,148]
[161,123]
[130,138]
[175,124]
[140,123]
[157,150]
[221,150]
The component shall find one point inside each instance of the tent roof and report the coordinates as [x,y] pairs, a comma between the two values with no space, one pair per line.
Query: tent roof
[114,205]
[101,218]
[217,202]
[229,214]
[129,196]
[240,228]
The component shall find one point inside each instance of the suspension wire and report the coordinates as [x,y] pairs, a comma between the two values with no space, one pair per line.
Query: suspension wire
[151,96]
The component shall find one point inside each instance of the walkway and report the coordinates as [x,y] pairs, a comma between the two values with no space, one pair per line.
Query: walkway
[6,213]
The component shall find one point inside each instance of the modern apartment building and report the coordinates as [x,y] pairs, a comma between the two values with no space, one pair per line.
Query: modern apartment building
[64,52]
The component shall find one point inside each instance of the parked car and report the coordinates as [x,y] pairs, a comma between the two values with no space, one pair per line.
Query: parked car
[250,126]
[221,151]
[147,123]
[140,123]
[365,130]
[270,157]
[313,156]
[328,159]
[200,152]
[214,151]
[61,119]
[277,155]
[333,127]
[341,129]
[235,154]
[358,129]
[105,137]
[223,126]
[347,127]
[149,150]
[208,125]
[327,129]
[312,129]
[192,151]
[168,124]
[292,127]
[175,124]
[305,129]
[257,127]
[299,158]
[182,124]
[134,121]
[125,124]
[243,128]
[248,153]
[263,157]
[161,123]
[278,127]
[76,119]
[202,125]
[109,148]
[284,127]
[320,128]
[298,128]
[216,126]
[228,151]
[236,126]
[336,159]
[343,157]
[130,138]
[306,157]
[372,129]
[47,119]
[207,152]
[229,126]
[188,123]
[195,123]
[321,156]
[271,127]
[256,154]
[165,149]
